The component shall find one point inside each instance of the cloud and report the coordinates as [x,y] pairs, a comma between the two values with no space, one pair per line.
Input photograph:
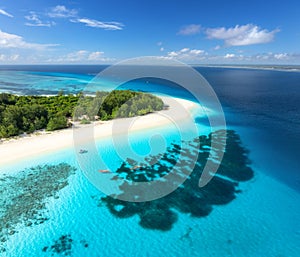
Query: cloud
[5,13]
[184,50]
[82,56]
[262,58]
[19,56]
[14,41]
[34,20]
[76,56]
[200,56]
[96,56]
[196,52]
[60,11]
[173,54]
[9,58]
[228,56]
[186,54]
[99,24]
[191,29]
[242,35]
[161,47]
[281,56]
[278,56]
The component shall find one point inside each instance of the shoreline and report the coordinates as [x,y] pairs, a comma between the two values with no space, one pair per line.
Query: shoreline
[282,68]
[39,143]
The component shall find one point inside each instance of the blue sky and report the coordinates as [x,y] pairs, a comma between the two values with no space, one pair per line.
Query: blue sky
[202,32]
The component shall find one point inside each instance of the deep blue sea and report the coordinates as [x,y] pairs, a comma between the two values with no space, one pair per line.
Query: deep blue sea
[262,219]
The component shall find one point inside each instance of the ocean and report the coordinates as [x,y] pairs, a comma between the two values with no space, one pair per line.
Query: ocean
[252,213]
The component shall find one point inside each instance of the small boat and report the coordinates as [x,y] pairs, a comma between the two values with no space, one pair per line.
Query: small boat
[81,151]
[104,171]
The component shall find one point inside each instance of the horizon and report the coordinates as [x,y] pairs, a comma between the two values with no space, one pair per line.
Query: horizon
[237,65]
[101,33]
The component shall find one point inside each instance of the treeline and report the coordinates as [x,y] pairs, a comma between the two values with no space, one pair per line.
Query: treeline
[117,104]
[19,114]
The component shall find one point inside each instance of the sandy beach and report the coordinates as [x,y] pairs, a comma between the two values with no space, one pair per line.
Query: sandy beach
[14,150]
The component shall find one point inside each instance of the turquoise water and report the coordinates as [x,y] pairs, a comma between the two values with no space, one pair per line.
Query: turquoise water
[258,222]
[262,220]
[21,82]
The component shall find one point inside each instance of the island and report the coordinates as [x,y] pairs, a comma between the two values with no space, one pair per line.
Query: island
[28,122]
[26,114]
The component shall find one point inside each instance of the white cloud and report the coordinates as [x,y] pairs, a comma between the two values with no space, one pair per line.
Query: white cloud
[217,47]
[82,56]
[99,24]
[191,29]
[34,20]
[262,58]
[9,58]
[242,35]
[281,56]
[60,11]
[227,56]
[14,57]
[76,56]
[196,52]
[184,50]
[14,41]
[173,54]
[277,56]
[5,13]
[200,56]
[186,54]
[160,44]
[95,56]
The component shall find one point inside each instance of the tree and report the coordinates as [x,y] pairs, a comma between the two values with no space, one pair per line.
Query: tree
[57,122]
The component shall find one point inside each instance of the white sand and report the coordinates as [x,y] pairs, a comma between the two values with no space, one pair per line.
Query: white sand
[15,150]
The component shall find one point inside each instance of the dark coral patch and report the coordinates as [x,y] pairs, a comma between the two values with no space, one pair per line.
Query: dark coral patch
[63,246]
[189,198]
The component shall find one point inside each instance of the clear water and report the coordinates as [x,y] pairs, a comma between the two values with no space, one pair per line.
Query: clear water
[263,220]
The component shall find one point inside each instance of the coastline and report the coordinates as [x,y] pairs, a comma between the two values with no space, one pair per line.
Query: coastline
[284,68]
[14,150]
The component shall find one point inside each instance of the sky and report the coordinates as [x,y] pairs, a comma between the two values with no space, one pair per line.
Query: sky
[191,31]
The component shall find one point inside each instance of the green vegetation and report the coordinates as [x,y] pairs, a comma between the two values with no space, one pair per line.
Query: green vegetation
[85,121]
[116,104]
[19,114]
[57,122]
